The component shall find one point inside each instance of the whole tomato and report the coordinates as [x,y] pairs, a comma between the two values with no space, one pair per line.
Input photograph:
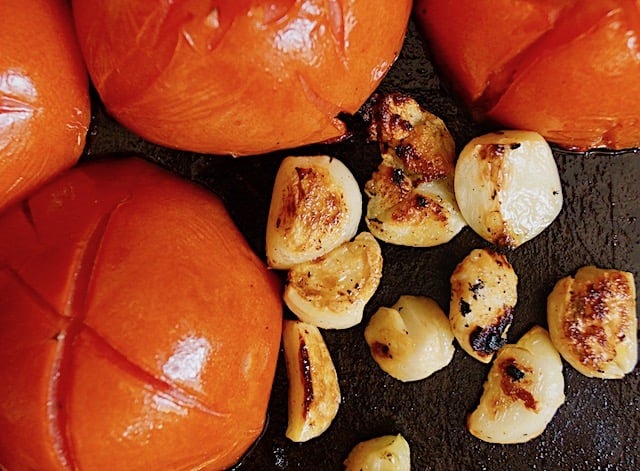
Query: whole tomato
[569,69]
[238,76]
[44,95]
[138,330]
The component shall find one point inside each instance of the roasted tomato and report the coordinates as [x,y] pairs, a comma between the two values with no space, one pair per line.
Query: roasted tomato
[569,69]
[44,95]
[238,76]
[137,330]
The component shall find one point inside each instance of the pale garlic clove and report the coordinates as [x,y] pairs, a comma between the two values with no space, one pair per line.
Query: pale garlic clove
[332,291]
[483,297]
[507,186]
[314,392]
[522,392]
[592,321]
[316,205]
[411,340]
[385,453]
[411,195]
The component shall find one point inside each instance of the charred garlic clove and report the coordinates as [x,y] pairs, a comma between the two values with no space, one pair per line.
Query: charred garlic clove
[411,195]
[331,291]
[385,453]
[483,296]
[522,393]
[314,393]
[507,186]
[592,321]
[412,339]
[316,205]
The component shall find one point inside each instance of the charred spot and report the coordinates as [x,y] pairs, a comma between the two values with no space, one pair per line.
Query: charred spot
[515,145]
[514,372]
[421,201]
[307,383]
[490,339]
[397,177]
[407,152]
[476,288]
[505,240]
[380,349]
[397,122]
[512,375]
[465,307]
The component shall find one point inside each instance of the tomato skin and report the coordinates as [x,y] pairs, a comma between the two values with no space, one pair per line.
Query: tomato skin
[44,95]
[130,333]
[242,77]
[568,69]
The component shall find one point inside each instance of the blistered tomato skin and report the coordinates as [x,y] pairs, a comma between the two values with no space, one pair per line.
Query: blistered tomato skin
[126,340]
[568,70]
[240,77]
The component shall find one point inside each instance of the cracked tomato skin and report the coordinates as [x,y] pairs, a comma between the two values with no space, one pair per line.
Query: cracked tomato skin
[44,95]
[238,76]
[138,330]
[568,69]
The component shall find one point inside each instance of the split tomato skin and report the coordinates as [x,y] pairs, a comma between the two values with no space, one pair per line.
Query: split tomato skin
[44,95]
[567,69]
[138,330]
[238,77]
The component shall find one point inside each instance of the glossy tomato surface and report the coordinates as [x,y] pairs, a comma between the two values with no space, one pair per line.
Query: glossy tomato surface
[44,95]
[130,332]
[238,77]
[569,69]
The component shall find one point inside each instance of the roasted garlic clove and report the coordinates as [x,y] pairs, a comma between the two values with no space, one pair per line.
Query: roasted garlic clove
[331,291]
[314,393]
[522,393]
[483,296]
[411,195]
[412,339]
[592,321]
[507,186]
[385,453]
[316,205]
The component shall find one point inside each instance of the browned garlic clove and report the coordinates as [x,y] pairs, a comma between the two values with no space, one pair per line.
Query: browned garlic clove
[483,296]
[332,291]
[314,392]
[592,321]
[316,205]
[522,393]
[507,186]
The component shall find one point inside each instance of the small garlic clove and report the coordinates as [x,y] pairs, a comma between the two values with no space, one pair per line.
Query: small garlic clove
[411,340]
[385,453]
[314,392]
[332,291]
[483,296]
[507,186]
[522,392]
[316,205]
[592,321]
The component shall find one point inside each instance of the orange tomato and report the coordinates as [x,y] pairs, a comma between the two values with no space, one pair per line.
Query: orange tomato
[569,69]
[138,330]
[238,76]
[44,95]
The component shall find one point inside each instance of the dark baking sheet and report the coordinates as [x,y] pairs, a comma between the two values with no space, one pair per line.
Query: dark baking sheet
[598,427]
